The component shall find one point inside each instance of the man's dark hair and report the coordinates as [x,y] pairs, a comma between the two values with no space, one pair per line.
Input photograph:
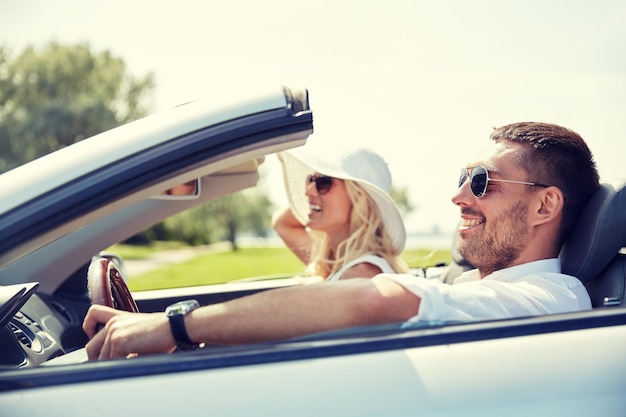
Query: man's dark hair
[555,156]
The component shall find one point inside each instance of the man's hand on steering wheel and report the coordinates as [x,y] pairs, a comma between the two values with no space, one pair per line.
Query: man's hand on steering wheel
[125,333]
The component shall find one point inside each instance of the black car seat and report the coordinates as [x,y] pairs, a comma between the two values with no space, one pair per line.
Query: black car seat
[594,252]
[457,265]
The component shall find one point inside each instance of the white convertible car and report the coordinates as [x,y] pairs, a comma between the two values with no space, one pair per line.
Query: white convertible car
[57,212]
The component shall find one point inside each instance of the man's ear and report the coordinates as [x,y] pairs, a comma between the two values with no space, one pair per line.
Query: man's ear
[549,205]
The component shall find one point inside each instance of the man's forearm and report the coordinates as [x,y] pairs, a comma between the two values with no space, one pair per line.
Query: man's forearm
[290,312]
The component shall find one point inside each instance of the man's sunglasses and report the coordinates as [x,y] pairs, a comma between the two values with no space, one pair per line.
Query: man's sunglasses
[479,180]
[322,183]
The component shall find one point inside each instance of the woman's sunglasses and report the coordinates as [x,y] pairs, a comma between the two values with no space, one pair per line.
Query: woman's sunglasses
[322,183]
[479,180]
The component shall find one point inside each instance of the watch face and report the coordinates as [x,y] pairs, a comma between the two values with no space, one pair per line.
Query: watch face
[182,307]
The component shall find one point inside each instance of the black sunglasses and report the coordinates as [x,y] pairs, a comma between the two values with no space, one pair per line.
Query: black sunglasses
[479,180]
[322,183]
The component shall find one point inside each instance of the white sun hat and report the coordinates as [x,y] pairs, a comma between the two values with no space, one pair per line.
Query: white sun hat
[358,164]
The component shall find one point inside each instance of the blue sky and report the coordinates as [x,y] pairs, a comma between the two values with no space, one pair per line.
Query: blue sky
[421,82]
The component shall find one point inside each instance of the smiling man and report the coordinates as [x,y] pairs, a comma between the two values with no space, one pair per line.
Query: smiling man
[518,204]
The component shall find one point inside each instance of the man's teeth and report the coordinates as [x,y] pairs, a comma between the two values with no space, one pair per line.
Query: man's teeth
[471,222]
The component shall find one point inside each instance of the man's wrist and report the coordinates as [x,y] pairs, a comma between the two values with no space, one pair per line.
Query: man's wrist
[176,315]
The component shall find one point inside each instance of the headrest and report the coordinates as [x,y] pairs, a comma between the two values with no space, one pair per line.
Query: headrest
[599,234]
[457,258]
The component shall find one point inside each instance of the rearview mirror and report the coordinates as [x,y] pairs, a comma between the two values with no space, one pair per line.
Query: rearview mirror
[187,191]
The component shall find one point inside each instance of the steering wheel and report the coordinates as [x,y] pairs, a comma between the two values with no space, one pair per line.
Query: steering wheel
[107,286]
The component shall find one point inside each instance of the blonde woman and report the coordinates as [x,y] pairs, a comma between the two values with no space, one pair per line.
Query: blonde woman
[341,220]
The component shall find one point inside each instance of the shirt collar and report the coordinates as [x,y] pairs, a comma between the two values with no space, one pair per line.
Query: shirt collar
[515,272]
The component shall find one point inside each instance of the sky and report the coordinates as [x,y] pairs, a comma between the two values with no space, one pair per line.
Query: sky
[421,82]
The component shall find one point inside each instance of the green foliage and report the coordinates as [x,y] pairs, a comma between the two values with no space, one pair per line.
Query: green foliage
[426,258]
[193,227]
[218,268]
[256,213]
[223,219]
[401,197]
[60,94]
[248,210]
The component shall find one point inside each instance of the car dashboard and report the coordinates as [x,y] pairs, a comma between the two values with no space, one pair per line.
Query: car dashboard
[32,330]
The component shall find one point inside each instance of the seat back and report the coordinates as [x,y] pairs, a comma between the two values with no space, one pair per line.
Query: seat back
[593,253]
[609,287]
[458,263]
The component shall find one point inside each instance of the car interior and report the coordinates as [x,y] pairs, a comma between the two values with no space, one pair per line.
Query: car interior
[594,253]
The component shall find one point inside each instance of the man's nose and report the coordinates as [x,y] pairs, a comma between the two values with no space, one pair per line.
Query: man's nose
[463,195]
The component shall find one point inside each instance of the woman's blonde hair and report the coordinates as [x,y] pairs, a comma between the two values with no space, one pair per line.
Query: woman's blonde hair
[367,235]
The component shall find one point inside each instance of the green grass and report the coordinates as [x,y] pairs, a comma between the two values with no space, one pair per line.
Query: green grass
[221,267]
[424,258]
[218,268]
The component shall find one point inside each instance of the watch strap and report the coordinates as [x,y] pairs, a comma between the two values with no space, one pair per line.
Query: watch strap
[177,325]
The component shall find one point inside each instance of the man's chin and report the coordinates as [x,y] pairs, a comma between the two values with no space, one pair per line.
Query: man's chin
[467,253]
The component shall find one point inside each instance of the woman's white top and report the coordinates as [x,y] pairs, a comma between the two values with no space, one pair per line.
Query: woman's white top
[375,260]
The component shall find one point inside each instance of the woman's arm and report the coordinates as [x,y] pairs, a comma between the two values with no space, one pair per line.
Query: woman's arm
[293,233]
[362,270]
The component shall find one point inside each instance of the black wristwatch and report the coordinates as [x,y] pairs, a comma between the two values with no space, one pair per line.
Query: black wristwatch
[176,313]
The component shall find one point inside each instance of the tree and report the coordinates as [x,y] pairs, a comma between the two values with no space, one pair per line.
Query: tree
[223,219]
[244,211]
[60,94]
[257,214]
[401,198]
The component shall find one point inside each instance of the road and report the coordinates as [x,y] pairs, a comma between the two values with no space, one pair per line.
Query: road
[134,267]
